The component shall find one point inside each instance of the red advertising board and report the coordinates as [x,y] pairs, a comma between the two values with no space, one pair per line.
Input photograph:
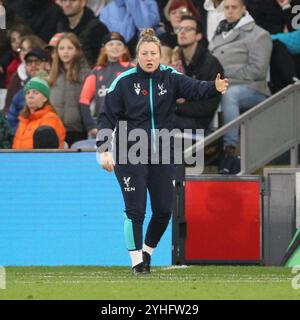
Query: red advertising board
[223,220]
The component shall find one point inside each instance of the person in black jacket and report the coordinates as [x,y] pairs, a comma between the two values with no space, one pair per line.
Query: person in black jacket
[81,20]
[277,16]
[41,15]
[199,64]
[144,98]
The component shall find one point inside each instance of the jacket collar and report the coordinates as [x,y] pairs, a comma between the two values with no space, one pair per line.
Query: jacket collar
[145,74]
[245,24]
[245,20]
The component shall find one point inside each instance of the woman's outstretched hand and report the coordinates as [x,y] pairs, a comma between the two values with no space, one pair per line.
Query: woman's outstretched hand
[221,84]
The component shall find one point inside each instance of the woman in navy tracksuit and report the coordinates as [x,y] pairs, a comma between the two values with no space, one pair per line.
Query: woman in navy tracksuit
[145,97]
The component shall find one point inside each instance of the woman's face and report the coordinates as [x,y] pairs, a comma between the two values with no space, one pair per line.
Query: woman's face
[15,40]
[175,16]
[66,51]
[149,56]
[25,47]
[34,100]
[114,50]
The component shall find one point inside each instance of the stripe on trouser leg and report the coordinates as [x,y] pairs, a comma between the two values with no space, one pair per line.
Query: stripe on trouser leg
[128,233]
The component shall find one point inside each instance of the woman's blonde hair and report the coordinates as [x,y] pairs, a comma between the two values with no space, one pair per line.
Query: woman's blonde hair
[148,35]
[73,73]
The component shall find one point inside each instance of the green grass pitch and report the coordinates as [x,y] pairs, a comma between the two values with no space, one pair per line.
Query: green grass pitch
[170,283]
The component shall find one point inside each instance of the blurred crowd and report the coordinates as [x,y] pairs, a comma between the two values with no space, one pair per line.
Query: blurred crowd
[58,59]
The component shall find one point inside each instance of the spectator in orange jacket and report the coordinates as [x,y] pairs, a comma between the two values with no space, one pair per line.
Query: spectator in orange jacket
[39,120]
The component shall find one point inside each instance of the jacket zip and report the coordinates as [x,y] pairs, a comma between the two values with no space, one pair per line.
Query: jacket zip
[152,115]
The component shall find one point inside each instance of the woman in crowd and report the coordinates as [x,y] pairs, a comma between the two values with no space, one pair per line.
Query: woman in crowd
[174,10]
[39,118]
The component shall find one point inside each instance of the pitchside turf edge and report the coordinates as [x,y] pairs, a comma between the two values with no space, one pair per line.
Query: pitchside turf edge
[193,282]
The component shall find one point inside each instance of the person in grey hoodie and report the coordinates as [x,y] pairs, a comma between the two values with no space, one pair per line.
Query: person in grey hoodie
[244,50]
[211,13]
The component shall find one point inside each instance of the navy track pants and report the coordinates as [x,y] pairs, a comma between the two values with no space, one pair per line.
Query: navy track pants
[134,181]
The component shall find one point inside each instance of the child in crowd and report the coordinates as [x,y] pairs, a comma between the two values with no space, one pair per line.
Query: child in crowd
[171,57]
[176,61]
[68,71]
[114,58]
[166,55]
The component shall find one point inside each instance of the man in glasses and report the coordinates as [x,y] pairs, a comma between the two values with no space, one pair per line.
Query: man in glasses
[199,64]
[36,62]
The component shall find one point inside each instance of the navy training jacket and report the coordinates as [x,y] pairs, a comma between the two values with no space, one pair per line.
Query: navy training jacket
[148,101]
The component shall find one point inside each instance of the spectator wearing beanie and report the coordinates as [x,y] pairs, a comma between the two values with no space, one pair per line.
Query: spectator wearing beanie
[38,112]
[114,58]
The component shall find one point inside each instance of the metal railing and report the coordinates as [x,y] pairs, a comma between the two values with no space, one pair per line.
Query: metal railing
[266,131]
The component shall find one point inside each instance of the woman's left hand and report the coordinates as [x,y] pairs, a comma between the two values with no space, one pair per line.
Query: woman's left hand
[221,84]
